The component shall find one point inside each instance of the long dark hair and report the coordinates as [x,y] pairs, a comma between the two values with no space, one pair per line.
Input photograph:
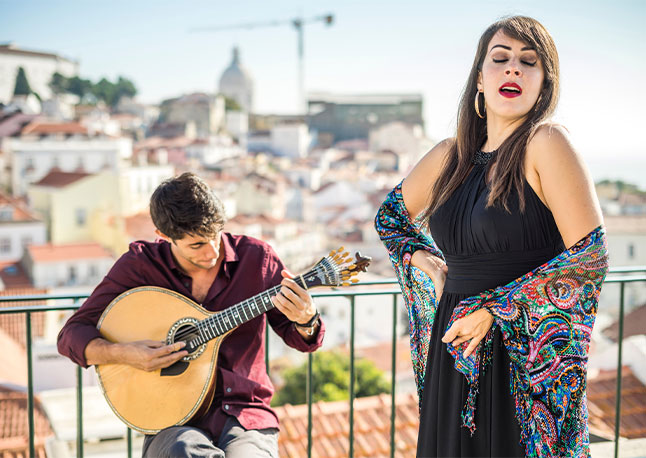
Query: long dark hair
[472,130]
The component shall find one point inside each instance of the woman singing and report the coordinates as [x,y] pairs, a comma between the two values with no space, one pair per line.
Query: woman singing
[501,312]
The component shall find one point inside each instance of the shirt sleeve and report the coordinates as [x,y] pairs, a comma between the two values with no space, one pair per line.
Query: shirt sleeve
[81,328]
[272,266]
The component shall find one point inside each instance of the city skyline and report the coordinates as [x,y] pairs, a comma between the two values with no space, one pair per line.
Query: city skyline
[372,47]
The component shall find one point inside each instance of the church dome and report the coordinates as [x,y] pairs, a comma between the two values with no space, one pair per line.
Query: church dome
[236,83]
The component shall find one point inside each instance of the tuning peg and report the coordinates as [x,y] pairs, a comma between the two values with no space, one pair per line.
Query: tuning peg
[355,280]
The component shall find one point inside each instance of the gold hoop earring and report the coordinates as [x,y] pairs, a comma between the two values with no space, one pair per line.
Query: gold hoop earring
[477,107]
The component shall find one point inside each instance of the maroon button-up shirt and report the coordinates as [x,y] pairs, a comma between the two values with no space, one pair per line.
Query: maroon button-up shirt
[250,266]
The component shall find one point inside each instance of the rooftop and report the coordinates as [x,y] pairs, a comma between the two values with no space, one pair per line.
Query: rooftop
[601,404]
[13,325]
[11,48]
[67,252]
[363,99]
[51,128]
[14,425]
[56,178]
[330,428]
[19,210]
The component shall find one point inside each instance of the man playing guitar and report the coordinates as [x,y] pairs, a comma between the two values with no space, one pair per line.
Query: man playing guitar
[197,259]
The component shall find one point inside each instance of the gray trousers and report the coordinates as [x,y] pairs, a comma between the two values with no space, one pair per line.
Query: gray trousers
[234,442]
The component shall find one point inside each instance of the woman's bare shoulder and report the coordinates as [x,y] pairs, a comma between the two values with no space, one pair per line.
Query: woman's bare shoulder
[561,179]
[418,184]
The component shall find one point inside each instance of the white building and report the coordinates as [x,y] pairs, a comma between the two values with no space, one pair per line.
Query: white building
[406,141]
[78,264]
[204,112]
[39,68]
[67,146]
[237,84]
[292,140]
[19,227]
[627,247]
[214,149]
[262,195]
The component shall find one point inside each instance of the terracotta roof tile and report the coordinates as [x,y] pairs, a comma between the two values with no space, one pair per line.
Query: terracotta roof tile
[601,404]
[20,211]
[14,277]
[330,428]
[14,425]
[58,179]
[56,253]
[14,324]
[50,128]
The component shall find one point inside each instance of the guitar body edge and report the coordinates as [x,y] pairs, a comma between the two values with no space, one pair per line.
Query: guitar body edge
[150,401]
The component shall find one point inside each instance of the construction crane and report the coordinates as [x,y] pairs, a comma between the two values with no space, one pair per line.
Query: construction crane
[298,24]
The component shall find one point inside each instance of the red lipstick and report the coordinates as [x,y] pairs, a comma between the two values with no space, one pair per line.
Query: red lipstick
[510,90]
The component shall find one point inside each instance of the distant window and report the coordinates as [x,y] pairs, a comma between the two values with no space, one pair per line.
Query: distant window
[26,240]
[81,216]
[5,245]
[6,214]
[72,275]
[93,271]
[631,251]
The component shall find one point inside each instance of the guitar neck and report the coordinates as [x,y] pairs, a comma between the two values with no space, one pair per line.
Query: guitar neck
[238,314]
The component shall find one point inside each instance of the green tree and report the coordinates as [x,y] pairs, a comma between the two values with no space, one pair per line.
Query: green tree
[124,88]
[79,86]
[104,90]
[22,85]
[59,83]
[331,380]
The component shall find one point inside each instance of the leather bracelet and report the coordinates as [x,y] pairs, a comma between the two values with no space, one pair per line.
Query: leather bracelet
[311,322]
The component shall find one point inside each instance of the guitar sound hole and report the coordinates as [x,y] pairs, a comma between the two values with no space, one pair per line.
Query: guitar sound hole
[186,333]
[187,330]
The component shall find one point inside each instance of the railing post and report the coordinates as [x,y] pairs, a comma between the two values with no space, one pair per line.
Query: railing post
[79,409]
[30,387]
[79,412]
[351,435]
[393,370]
[620,339]
[309,405]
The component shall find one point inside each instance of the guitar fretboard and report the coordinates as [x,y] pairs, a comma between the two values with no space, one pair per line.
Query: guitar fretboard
[232,317]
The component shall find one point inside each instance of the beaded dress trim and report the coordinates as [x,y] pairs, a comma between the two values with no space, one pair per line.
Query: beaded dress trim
[481,157]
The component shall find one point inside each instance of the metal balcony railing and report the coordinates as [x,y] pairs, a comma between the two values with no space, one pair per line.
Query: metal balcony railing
[619,275]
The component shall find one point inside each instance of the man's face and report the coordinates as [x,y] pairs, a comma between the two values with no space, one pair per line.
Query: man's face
[196,250]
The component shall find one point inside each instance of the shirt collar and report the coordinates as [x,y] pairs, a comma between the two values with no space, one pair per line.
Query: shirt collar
[230,254]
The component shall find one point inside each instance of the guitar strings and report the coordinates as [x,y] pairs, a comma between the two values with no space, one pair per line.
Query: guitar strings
[217,321]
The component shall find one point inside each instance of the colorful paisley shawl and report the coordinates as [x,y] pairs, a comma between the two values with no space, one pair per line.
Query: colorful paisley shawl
[546,318]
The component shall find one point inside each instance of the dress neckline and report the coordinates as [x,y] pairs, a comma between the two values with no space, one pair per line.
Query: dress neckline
[482,157]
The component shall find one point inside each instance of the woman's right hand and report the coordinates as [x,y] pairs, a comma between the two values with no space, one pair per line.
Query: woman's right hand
[434,267]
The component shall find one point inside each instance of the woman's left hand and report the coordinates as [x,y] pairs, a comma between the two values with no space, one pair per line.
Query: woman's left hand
[472,327]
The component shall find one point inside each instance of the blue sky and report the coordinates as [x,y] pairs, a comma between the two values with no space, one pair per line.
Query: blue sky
[373,46]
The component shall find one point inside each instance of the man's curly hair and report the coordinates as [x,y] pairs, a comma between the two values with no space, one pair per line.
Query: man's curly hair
[185,205]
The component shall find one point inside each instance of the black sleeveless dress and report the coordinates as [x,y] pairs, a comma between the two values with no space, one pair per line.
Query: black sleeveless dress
[484,248]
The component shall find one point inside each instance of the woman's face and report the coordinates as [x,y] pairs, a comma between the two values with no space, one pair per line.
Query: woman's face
[511,77]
